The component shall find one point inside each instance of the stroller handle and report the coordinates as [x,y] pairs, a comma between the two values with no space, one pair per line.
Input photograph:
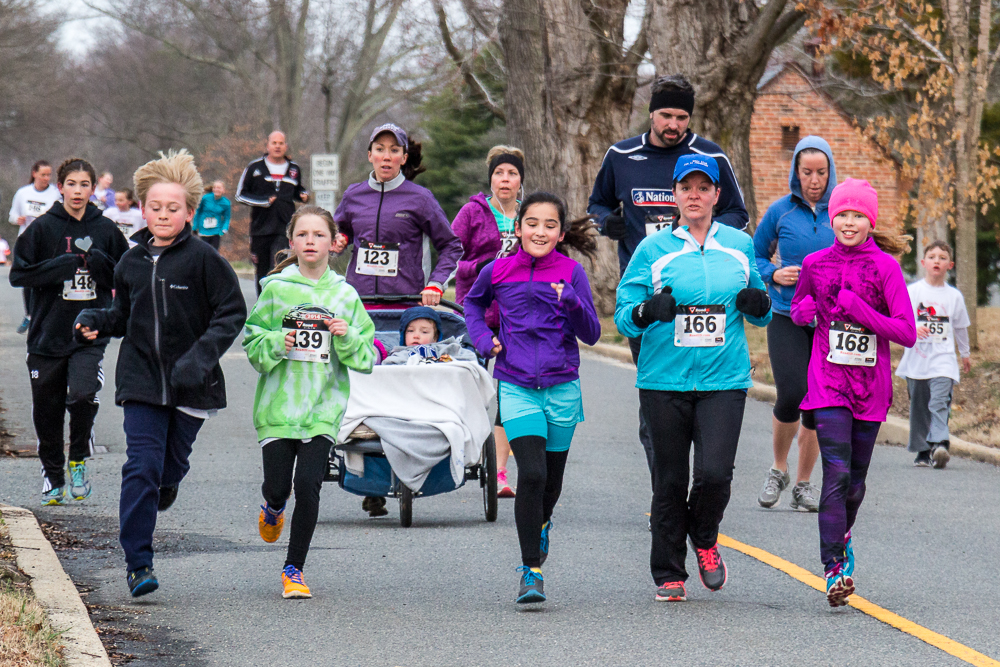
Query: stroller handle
[397,298]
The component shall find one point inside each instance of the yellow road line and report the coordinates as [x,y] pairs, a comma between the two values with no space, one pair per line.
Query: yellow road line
[947,645]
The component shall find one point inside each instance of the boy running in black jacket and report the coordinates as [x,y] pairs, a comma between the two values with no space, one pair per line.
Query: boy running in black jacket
[179,307]
[67,257]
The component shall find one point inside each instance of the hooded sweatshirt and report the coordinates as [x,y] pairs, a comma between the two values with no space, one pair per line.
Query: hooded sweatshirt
[303,399]
[403,215]
[50,254]
[793,229]
[538,331]
[861,285]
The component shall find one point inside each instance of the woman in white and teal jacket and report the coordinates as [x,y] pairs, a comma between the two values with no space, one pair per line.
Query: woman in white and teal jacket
[306,329]
[687,291]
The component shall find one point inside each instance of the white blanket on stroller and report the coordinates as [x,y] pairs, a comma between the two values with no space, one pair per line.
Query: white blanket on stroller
[451,397]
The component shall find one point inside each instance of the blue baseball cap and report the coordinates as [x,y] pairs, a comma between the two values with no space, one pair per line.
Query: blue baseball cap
[693,162]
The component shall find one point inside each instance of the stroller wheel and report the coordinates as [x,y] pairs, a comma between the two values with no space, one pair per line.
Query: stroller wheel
[405,506]
[489,472]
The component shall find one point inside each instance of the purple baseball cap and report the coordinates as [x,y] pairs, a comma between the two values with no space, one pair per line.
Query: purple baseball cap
[395,130]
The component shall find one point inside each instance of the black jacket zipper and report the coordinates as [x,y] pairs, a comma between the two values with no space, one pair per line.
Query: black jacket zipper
[378,219]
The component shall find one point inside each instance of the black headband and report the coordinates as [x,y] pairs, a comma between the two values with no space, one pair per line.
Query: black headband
[507,158]
[672,99]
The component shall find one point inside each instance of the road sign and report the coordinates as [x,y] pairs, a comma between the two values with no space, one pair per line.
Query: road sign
[325,173]
[326,199]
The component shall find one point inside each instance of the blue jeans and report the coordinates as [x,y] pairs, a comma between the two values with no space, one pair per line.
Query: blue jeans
[158,443]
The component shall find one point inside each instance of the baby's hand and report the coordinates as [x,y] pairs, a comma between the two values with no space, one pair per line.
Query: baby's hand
[496,347]
[336,326]
[90,334]
[923,332]
[289,341]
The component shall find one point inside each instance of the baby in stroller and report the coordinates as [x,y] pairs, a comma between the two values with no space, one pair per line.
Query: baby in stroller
[419,341]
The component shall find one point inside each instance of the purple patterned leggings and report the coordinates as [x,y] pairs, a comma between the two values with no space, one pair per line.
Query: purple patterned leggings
[846,445]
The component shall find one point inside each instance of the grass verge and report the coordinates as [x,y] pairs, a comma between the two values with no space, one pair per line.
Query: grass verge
[26,636]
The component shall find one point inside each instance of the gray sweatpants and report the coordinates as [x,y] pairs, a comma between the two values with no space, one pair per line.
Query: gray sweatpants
[930,403]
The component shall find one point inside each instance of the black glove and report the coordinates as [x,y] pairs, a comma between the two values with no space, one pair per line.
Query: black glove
[752,301]
[614,227]
[661,307]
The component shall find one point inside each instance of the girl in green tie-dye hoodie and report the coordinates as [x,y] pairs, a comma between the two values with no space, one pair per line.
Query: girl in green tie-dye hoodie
[307,328]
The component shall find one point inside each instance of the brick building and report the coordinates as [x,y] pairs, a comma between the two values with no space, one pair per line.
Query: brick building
[790,107]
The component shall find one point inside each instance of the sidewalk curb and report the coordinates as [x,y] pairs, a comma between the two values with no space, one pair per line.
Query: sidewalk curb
[895,431]
[54,590]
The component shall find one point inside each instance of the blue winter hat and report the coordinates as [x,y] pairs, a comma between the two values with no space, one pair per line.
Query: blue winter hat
[418,313]
[692,162]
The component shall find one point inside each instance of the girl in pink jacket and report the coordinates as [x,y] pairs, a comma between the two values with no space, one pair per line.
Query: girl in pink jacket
[856,294]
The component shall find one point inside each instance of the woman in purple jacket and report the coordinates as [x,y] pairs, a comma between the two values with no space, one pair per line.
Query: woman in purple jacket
[545,305]
[387,218]
[486,228]
[856,293]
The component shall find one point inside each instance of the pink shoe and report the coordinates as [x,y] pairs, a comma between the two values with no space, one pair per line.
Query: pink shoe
[503,488]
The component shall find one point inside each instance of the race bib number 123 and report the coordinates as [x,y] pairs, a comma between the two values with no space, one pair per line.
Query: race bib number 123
[378,259]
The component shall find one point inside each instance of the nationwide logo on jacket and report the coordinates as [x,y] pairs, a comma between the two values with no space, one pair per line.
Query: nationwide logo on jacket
[653,197]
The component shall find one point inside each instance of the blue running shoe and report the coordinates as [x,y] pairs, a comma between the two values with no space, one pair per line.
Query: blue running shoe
[79,485]
[848,555]
[141,581]
[531,586]
[56,496]
[839,586]
[543,547]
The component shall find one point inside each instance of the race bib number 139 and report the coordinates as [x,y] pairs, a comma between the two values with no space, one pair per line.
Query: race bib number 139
[312,338]
[700,326]
[851,345]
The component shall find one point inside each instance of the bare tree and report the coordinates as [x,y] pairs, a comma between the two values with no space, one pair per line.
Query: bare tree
[571,81]
[723,47]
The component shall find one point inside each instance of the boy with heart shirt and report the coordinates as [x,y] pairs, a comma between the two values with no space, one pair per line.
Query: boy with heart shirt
[930,367]
[67,258]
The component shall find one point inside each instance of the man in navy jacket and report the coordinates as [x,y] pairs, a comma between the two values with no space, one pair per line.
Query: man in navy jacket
[633,195]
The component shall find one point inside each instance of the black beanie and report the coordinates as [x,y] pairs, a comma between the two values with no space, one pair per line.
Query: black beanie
[672,99]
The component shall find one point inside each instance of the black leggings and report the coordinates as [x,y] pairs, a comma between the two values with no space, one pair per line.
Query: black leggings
[712,421]
[279,460]
[539,483]
[790,347]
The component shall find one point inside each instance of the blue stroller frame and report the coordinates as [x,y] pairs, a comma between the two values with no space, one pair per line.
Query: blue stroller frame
[379,479]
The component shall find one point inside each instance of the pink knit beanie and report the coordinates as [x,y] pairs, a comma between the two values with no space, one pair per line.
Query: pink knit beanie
[854,194]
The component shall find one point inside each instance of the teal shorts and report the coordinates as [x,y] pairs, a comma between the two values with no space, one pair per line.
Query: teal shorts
[551,413]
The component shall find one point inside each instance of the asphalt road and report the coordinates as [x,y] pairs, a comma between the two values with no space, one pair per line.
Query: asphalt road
[441,592]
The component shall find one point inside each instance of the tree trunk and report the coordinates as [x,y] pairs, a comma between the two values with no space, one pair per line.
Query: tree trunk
[722,46]
[289,32]
[570,86]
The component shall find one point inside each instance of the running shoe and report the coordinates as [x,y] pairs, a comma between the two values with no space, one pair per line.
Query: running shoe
[848,555]
[940,455]
[543,546]
[79,485]
[270,522]
[775,483]
[503,487]
[531,586]
[672,591]
[141,581]
[804,498]
[22,328]
[295,585]
[374,505]
[168,494]
[923,460]
[56,496]
[711,569]
[839,586]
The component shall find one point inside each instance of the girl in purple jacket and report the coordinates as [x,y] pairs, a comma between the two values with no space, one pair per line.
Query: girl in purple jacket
[545,305]
[856,294]
[485,226]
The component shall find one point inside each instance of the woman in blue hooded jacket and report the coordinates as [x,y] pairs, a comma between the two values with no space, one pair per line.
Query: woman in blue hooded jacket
[794,226]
